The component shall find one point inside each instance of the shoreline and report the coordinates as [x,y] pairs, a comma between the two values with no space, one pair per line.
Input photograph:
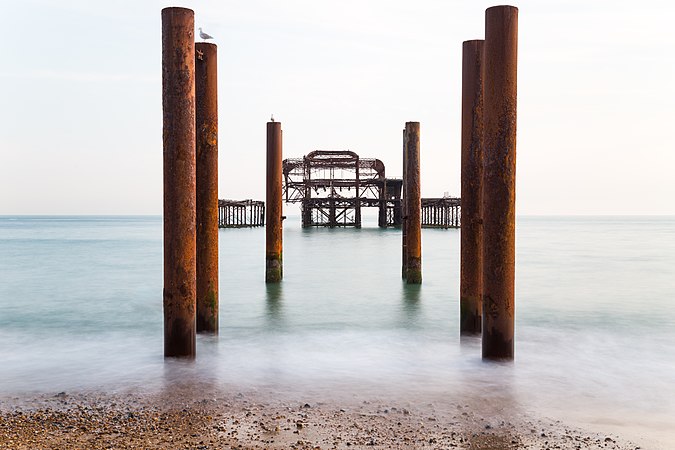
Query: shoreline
[214,419]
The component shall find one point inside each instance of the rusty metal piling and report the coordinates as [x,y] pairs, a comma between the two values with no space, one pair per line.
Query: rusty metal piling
[273,226]
[471,266]
[499,181]
[178,104]
[413,202]
[206,93]
[404,215]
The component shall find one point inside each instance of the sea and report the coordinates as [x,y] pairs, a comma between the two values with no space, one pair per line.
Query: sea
[81,309]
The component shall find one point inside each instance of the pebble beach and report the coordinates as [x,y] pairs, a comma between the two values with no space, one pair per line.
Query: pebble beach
[201,419]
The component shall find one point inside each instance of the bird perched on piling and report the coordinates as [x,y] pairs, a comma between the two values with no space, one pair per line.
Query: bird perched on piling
[204,35]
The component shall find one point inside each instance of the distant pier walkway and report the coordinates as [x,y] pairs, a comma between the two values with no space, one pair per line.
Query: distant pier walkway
[241,213]
[332,187]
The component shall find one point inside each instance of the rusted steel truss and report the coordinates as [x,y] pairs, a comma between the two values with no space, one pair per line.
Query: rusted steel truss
[332,186]
[241,213]
[442,212]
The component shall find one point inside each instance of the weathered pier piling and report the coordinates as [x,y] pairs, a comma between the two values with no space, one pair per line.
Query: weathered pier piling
[206,98]
[499,181]
[178,101]
[413,202]
[404,215]
[471,271]
[274,222]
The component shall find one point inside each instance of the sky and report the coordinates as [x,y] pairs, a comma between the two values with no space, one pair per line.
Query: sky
[81,107]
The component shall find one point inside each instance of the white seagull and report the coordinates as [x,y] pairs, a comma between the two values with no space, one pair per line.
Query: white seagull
[204,35]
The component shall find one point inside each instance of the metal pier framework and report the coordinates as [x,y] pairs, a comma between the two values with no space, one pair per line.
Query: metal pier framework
[333,186]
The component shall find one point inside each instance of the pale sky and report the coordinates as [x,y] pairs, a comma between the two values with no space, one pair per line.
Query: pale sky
[81,109]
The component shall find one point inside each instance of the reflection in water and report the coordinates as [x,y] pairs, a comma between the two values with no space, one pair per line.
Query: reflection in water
[411,304]
[274,302]
[190,375]
[487,387]
[183,379]
[470,344]
[470,340]
[499,394]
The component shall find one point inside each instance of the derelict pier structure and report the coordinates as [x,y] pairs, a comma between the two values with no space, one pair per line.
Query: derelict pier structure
[332,187]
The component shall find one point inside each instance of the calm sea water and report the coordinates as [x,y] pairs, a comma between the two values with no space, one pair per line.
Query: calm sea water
[80,308]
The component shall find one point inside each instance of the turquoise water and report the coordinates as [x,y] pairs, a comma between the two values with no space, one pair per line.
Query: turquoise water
[80,308]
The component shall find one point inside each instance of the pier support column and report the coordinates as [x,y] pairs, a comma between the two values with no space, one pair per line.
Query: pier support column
[306,210]
[471,266]
[382,208]
[357,197]
[206,98]
[178,101]
[413,203]
[306,214]
[499,181]
[404,210]
[274,226]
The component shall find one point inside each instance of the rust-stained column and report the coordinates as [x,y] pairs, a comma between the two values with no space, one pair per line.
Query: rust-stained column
[382,209]
[413,203]
[404,209]
[306,211]
[332,214]
[273,227]
[178,102]
[471,271]
[206,99]
[499,181]
[357,204]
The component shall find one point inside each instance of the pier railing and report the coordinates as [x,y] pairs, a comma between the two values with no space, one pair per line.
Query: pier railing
[444,212]
[241,213]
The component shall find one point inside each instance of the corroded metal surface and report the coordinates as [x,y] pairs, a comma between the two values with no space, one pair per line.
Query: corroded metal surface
[499,181]
[274,224]
[413,201]
[206,128]
[471,272]
[178,98]
[404,212]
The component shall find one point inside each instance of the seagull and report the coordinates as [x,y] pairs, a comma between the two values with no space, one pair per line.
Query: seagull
[204,35]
